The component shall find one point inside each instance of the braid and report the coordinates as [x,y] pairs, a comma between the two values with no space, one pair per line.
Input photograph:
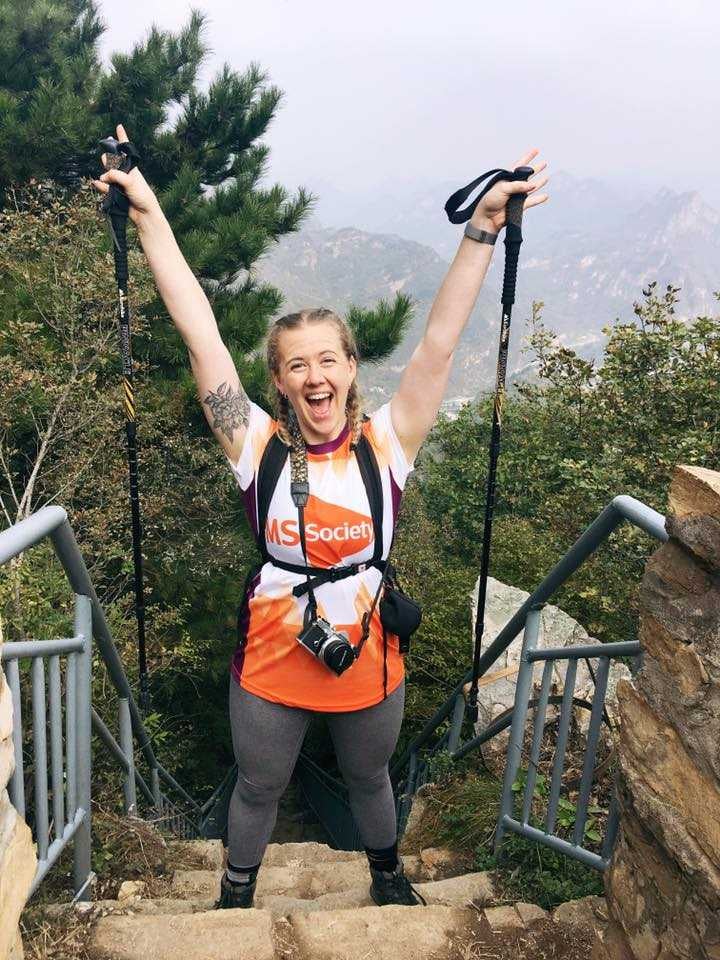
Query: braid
[283,417]
[353,409]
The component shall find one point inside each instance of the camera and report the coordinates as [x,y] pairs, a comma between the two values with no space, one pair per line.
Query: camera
[332,647]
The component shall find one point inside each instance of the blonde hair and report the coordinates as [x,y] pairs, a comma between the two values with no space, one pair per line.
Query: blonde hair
[288,428]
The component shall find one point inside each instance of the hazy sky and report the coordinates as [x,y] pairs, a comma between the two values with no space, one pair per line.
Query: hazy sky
[414,92]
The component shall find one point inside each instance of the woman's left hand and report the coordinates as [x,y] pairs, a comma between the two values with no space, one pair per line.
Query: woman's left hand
[490,212]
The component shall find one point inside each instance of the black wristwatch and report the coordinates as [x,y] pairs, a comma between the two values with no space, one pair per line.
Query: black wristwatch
[482,236]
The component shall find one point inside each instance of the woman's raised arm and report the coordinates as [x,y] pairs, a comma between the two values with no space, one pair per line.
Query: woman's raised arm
[224,401]
[415,405]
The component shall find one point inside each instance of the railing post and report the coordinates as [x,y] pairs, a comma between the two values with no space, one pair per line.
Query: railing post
[17,781]
[456,723]
[517,729]
[83,838]
[126,744]
[155,787]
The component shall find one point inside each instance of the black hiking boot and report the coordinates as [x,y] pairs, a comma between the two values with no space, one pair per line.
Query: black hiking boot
[394,887]
[235,896]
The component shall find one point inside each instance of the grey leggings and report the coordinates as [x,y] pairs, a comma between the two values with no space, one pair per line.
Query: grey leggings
[267,738]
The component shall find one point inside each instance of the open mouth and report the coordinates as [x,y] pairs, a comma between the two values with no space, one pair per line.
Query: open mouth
[319,403]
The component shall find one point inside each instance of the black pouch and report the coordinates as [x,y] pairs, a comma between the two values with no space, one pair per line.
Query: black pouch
[399,614]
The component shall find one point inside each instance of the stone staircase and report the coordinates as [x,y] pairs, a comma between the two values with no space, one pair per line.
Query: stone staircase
[311,903]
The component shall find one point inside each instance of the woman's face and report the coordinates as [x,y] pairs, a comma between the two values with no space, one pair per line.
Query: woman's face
[316,374]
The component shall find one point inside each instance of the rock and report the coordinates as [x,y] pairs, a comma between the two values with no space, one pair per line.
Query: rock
[383,933]
[131,890]
[585,912]
[694,512]
[530,913]
[677,802]
[679,630]
[439,862]
[209,853]
[344,900]
[472,888]
[336,877]
[610,944]
[280,854]
[663,883]
[295,879]
[503,918]
[215,935]
[130,907]
[558,629]
[7,761]
[17,870]
[417,810]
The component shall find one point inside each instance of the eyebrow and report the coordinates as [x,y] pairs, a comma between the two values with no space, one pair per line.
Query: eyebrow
[327,350]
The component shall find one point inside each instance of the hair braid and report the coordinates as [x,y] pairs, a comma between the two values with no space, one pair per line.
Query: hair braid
[282,406]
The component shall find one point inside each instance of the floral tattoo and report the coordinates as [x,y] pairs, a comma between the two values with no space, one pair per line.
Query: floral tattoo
[230,408]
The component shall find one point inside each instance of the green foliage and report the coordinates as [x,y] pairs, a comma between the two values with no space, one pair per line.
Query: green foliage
[534,873]
[572,440]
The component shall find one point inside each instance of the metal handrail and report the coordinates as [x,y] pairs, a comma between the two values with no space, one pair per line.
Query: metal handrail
[507,820]
[52,522]
[69,768]
[621,508]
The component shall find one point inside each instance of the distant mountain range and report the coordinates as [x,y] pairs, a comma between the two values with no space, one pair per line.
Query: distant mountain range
[586,254]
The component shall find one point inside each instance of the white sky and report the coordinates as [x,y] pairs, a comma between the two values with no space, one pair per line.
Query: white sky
[414,92]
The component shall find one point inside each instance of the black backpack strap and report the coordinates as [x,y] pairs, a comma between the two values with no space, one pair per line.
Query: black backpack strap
[370,473]
[271,466]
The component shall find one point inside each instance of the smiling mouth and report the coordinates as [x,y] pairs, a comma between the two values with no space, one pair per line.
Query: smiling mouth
[319,402]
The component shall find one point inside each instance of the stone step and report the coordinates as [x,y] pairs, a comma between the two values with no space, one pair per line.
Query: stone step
[213,935]
[296,879]
[470,889]
[384,933]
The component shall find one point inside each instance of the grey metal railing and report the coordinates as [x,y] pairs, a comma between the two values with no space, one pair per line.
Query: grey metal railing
[69,762]
[521,825]
[409,771]
[71,802]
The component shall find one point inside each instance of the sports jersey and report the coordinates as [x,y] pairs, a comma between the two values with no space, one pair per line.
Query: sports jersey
[269,661]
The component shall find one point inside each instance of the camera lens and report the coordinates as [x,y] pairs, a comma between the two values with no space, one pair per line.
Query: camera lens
[338,655]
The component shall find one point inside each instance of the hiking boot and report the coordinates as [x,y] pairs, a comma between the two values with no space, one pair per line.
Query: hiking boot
[394,887]
[235,895]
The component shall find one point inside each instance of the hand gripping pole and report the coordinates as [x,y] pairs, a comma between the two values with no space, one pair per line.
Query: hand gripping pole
[513,240]
[116,206]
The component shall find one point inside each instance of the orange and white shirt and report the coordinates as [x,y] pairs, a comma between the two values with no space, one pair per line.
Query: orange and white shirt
[269,661]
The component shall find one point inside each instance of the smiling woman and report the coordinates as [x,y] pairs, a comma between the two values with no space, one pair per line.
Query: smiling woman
[324,523]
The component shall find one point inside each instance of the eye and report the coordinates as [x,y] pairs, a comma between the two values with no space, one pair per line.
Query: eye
[328,361]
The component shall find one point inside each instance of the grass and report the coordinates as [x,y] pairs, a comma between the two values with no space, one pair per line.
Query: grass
[460,811]
[124,848]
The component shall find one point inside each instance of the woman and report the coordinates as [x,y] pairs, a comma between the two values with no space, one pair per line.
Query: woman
[277,682]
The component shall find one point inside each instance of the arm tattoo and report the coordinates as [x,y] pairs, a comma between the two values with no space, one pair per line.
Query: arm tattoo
[230,408]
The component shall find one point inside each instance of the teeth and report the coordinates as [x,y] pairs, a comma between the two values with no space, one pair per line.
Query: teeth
[318,396]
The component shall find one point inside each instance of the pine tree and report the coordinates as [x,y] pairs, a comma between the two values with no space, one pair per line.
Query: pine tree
[200,152]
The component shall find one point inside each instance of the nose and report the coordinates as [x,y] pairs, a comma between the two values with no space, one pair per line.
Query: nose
[315,373]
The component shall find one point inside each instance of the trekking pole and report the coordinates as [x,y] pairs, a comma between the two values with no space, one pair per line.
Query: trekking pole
[116,206]
[513,239]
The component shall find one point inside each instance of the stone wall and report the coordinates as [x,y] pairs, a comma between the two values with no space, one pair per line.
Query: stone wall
[663,886]
[17,852]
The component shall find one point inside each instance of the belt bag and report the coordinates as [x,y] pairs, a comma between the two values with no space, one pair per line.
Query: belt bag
[399,614]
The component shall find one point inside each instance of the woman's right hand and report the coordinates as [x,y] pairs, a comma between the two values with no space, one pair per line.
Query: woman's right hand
[143,202]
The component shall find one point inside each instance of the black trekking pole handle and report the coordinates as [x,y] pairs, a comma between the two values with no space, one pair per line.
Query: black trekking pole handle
[116,207]
[513,239]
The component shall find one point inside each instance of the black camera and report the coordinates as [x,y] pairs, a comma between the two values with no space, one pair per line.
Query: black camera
[332,647]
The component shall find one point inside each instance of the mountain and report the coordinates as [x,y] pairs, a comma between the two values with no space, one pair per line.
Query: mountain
[586,255]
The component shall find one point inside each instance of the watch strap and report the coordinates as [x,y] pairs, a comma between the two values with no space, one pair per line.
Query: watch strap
[482,236]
